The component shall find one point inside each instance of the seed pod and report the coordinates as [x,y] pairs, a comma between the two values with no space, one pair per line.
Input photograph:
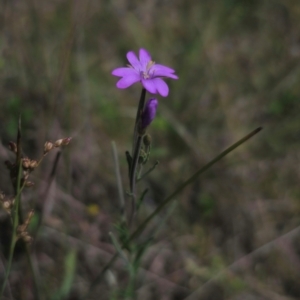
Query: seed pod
[26,163]
[58,143]
[66,141]
[33,164]
[48,146]
[7,204]
[62,142]
[29,184]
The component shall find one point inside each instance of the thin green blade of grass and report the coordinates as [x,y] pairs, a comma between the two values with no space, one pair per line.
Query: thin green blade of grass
[119,181]
[14,232]
[16,209]
[141,228]
[70,270]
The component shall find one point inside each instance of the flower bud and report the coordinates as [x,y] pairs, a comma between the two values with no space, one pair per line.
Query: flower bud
[147,140]
[149,113]
[26,162]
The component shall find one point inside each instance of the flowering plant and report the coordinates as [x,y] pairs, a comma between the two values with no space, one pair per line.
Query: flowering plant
[146,71]
[150,74]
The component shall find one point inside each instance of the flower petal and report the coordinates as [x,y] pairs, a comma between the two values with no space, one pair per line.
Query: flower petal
[122,72]
[127,81]
[133,60]
[163,69]
[149,85]
[160,70]
[145,57]
[161,87]
[173,76]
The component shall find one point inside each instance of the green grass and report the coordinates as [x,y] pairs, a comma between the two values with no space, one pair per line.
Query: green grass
[238,67]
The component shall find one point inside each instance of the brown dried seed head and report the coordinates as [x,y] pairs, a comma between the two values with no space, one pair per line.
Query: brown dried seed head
[29,184]
[7,204]
[58,143]
[48,147]
[12,147]
[66,141]
[11,200]
[25,175]
[33,164]
[28,219]
[27,238]
[30,214]
[26,163]
[62,142]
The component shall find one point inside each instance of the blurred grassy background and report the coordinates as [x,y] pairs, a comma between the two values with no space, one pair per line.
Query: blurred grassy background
[238,64]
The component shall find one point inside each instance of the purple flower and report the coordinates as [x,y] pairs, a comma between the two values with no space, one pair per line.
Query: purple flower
[149,113]
[146,71]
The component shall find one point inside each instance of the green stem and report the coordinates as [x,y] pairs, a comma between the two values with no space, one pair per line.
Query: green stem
[16,214]
[137,119]
[136,148]
[130,290]
[133,174]
[119,181]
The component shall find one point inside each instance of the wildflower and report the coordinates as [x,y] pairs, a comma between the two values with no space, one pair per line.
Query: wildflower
[148,113]
[146,71]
